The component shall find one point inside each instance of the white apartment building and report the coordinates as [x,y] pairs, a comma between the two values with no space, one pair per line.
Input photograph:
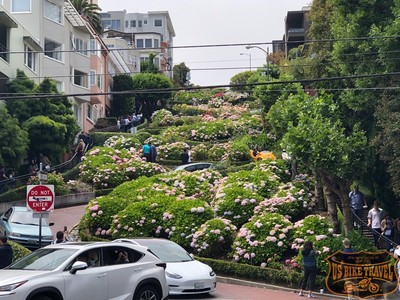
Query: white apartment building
[152,33]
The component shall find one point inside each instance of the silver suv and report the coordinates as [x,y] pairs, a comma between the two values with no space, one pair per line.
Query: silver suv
[85,271]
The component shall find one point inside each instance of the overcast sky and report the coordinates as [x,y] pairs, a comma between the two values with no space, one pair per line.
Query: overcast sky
[210,22]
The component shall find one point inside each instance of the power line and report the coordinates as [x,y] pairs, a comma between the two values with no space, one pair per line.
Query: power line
[161,91]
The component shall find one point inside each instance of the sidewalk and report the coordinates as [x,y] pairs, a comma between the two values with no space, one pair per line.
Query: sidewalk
[273,287]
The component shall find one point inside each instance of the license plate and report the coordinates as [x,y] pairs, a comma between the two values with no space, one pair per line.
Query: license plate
[199,286]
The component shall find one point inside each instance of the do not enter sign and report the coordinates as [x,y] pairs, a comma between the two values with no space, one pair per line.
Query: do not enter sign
[40,198]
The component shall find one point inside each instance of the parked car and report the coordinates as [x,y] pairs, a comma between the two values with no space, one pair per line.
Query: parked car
[195,166]
[87,271]
[19,225]
[185,275]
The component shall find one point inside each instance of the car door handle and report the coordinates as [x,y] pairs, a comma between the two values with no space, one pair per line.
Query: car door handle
[137,269]
[102,275]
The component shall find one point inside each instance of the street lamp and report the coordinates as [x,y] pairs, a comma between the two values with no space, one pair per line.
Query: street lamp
[249,55]
[266,56]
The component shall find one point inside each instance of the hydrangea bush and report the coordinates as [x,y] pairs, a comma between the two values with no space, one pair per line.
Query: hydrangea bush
[214,238]
[162,118]
[171,151]
[122,142]
[264,237]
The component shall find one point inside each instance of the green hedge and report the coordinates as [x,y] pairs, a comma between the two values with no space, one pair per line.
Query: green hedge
[13,195]
[286,278]
[98,193]
[71,174]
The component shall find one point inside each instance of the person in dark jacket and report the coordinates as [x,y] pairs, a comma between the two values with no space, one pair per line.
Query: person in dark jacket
[6,253]
[185,156]
[310,269]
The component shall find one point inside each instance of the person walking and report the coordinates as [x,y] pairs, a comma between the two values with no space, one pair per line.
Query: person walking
[153,153]
[6,253]
[357,204]
[310,269]
[374,221]
[387,226]
[185,156]
[59,238]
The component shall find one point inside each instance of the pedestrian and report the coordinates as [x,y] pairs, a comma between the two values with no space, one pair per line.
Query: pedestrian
[396,231]
[387,226]
[80,150]
[357,204]
[310,269]
[185,156]
[153,153]
[60,238]
[374,221]
[190,155]
[3,177]
[146,149]
[6,253]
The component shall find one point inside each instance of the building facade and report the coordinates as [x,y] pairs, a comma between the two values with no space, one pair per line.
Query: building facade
[150,33]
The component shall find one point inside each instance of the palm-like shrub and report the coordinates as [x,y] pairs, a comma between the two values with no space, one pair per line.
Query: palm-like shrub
[214,238]
[263,238]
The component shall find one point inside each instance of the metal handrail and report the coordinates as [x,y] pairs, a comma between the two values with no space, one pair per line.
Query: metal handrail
[380,235]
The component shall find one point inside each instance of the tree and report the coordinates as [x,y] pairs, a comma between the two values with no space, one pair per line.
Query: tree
[180,75]
[149,66]
[57,109]
[147,102]
[241,79]
[122,104]
[13,141]
[91,12]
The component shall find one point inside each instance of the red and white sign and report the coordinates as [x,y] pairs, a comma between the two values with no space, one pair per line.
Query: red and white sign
[40,198]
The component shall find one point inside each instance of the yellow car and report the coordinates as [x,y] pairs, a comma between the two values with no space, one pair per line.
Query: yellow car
[262,155]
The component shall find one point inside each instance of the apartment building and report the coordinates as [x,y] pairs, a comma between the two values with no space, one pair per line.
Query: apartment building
[296,28]
[151,33]
[48,38]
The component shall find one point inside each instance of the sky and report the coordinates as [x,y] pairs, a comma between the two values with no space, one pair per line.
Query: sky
[217,22]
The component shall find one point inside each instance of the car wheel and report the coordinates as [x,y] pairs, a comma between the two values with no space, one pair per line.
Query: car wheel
[42,298]
[147,292]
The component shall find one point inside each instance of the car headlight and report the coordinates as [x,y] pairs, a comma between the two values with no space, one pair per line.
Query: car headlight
[173,275]
[15,234]
[12,286]
[212,273]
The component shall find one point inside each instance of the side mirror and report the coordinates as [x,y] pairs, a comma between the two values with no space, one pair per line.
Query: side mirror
[51,224]
[78,266]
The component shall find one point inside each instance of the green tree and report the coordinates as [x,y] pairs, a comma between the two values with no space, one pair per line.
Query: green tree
[181,75]
[57,109]
[149,66]
[91,12]
[147,102]
[122,104]
[241,79]
[13,141]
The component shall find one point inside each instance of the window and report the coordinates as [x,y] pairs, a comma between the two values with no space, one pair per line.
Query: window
[140,23]
[53,49]
[145,22]
[53,12]
[126,24]
[80,78]
[89,112]
[157,23]
[112,24]
[156,61]
[79,46]
[133,23]
[147,43]
[29,58]
[92,77]
[92,47]
[21,6]
[60,86]
[100,81]
[156,43]
[139,43]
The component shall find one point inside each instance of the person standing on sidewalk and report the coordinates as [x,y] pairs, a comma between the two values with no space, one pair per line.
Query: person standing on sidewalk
[357,204]
[310,269]
[374,221]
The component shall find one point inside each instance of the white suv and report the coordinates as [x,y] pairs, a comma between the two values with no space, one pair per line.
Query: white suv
[86,271]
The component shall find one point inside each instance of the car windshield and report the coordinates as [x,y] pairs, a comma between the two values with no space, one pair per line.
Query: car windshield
[43,259]
[26,218]
[168,252]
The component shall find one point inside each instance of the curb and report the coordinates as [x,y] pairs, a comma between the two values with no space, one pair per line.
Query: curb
[230,280]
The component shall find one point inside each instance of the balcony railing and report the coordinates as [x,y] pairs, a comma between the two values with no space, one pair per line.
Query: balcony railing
[4,53]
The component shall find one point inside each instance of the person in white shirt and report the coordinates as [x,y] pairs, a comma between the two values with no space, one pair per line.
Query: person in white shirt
[374,221]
